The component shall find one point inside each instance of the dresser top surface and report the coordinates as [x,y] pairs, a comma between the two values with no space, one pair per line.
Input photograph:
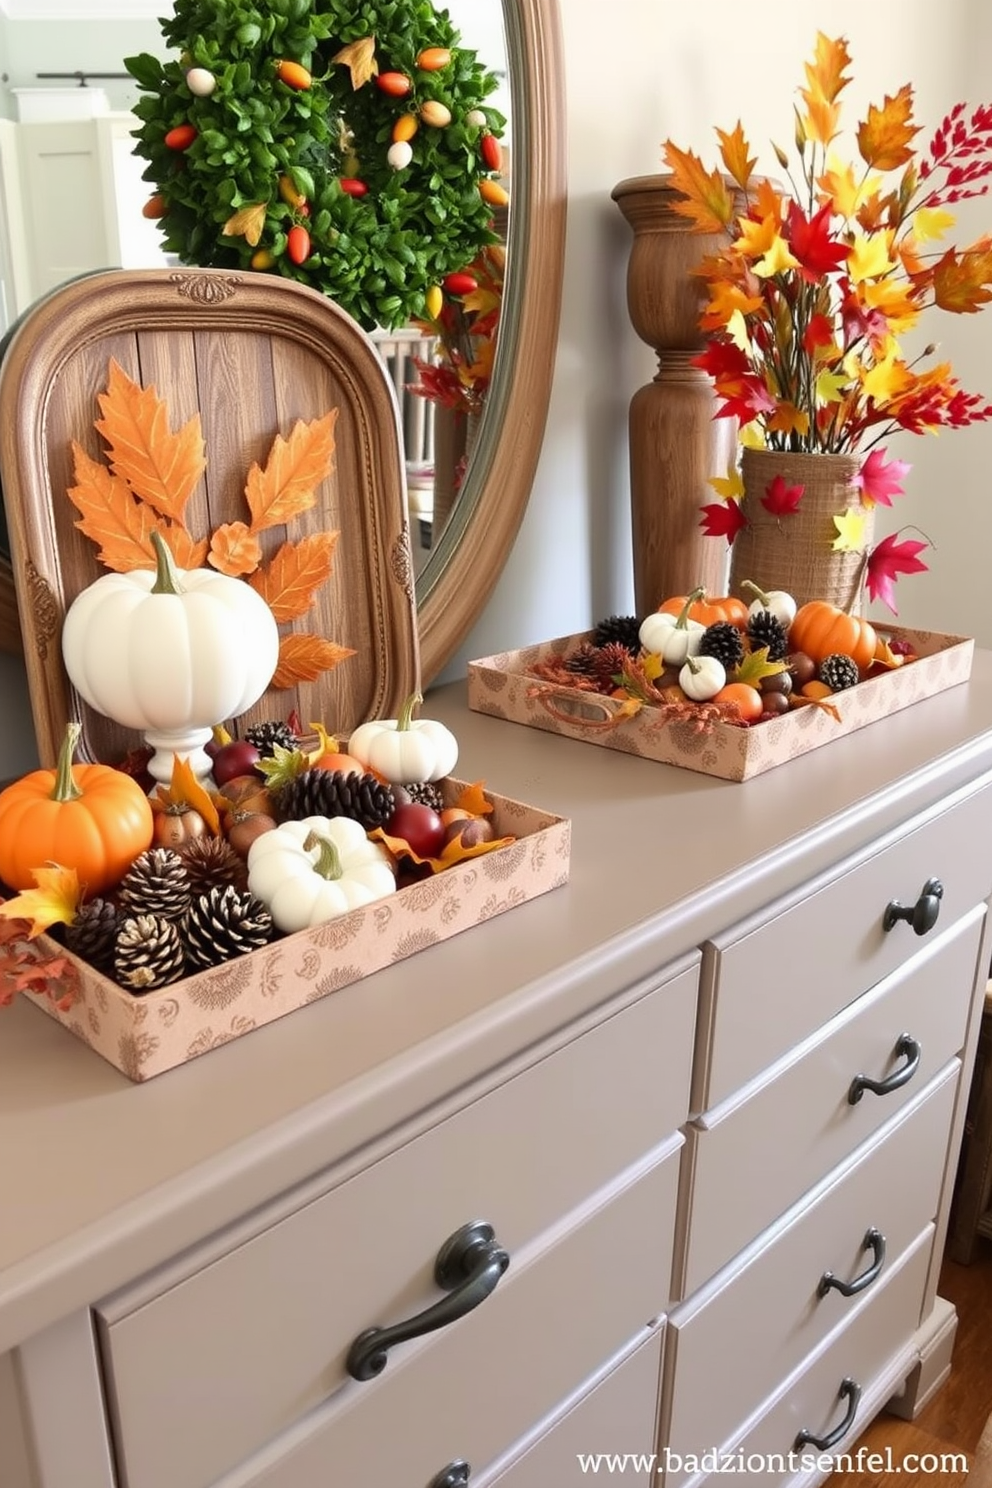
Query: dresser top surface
[102,1179]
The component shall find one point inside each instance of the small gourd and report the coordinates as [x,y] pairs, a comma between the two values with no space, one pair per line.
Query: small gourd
[170,652]
[702,677]
[672,637]
[306,872]
[405,750]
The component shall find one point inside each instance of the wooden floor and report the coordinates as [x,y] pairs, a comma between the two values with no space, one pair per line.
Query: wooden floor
[959,1417]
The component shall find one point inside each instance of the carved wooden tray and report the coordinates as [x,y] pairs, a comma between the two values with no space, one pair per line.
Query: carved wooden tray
[252,355]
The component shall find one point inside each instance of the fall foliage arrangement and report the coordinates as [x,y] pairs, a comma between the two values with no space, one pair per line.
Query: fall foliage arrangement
[816,285]
[345,144]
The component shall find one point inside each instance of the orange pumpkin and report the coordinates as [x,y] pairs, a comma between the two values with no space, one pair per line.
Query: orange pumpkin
[821,629]
[89,817]
[709,611]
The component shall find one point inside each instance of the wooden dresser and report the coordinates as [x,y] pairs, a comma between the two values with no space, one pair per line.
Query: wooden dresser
[672,1148]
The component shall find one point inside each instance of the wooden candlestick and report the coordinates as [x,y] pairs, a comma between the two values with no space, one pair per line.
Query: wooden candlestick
[676,443]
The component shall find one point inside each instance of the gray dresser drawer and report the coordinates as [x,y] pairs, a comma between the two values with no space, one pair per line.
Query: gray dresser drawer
[472,1390]
[752,1158]
[811,1400]
[204,1369]
[771,981]
[616,1418]
[773,1297]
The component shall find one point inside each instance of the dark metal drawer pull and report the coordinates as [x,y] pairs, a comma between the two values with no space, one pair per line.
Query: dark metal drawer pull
[824,1443]
[907,1045]
[923,914]
[455,1475]
[468,1266]
[874,1240]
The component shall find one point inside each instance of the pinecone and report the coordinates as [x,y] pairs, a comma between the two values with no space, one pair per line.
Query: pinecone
[425,792]
[223,923]
[335,793]
[265,737]
[620,629]
[725,642]
[583,661]
[92,933]
[765,629]
[155,884]
[839,671]
[210,861]
[148,953]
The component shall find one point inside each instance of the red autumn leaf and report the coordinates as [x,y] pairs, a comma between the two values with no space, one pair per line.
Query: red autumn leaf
[887,561]
[810,241]
[782,500]
[819,332]
[723,519]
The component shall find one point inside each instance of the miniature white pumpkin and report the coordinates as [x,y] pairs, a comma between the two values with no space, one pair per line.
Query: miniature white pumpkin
[309,871]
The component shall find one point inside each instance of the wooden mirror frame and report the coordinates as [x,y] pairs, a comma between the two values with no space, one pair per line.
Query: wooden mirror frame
[477,538]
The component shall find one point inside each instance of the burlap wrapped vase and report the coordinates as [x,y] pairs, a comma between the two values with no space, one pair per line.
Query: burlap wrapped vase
[795,551]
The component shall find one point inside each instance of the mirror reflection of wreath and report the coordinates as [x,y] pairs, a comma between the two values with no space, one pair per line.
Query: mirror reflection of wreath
[344,143]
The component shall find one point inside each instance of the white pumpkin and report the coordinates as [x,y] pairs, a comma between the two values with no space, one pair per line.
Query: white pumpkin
[306,872]
[170,652]
[406,749]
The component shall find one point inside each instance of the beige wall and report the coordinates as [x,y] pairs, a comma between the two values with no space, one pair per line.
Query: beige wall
[639,71]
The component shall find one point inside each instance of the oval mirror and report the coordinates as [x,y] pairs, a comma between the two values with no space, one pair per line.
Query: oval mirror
[466,554]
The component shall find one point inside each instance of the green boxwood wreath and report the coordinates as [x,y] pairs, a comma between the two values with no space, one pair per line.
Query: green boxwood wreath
[376,255]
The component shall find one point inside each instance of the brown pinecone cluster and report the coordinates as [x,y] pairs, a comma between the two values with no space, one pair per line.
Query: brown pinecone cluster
[174,914]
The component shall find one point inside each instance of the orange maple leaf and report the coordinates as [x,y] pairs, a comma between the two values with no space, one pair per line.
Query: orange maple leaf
[184,548]
[961,281]
[706,198]
[302,658]
[234,550]
[159,466]
[296,466]
[733,153]
[111,517]
[885,137]
[297,570]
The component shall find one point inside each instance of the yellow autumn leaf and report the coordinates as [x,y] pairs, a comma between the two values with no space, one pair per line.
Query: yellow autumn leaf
[55,901]
[359,58]
[870,256]
[778,258]
[887,379]
[850,532]
[248,223]
[931,223]
[729,487]
[830,387]
[895,300]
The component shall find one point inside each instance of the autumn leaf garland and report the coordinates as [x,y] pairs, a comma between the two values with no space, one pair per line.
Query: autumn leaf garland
[145,487]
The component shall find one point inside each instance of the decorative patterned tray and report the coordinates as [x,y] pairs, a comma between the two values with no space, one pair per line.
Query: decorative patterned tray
[503,686]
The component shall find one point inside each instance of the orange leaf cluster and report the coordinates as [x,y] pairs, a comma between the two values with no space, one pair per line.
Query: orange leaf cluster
[24,968]
[150,475]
